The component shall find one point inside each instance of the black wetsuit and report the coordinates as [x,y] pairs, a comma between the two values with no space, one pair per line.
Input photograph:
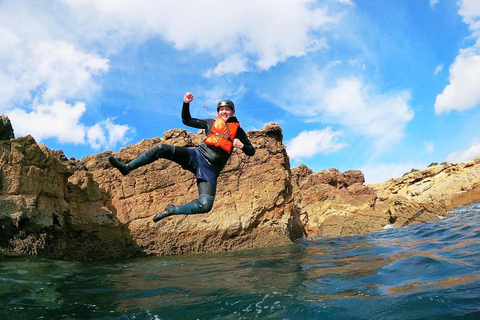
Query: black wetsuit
[215,155]
[205,161]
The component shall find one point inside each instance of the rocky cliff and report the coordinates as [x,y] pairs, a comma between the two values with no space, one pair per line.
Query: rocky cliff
[64,208]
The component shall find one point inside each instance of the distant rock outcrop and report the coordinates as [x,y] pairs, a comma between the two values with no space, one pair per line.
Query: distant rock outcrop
[55,207]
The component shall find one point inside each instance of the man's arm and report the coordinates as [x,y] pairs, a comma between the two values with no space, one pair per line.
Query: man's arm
[241,141]
[187,117]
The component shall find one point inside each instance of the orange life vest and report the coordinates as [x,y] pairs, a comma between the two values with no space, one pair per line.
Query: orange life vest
[222,134]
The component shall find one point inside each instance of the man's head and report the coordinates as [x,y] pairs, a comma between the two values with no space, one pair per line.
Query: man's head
[225,109]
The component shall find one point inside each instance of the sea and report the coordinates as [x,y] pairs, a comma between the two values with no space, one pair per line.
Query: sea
[424,271]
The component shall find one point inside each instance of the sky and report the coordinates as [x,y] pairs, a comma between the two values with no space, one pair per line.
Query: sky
[381,86]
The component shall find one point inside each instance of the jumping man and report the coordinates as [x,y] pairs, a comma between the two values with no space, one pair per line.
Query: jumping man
[206,161]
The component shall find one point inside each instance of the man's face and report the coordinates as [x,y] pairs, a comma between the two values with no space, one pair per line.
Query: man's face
[225,113]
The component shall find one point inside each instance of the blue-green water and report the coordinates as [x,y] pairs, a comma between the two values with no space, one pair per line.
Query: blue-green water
[427,271]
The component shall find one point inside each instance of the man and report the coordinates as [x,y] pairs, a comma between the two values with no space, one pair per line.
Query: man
[206,161]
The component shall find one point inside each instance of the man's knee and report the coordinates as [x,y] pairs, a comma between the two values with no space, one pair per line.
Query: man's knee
[163,151]
[205,203]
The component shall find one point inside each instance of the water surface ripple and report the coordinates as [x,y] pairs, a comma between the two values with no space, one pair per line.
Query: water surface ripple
[427,271]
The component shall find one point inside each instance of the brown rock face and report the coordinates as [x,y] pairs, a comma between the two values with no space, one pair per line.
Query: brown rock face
[70,209]
[330,203]
[48,209]
[251,210]
[446,185]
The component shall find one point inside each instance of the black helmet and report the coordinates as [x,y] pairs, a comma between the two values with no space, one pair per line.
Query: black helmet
[226,103]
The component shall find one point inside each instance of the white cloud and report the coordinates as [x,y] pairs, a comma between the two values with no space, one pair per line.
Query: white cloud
[429,146]
[96,136]
[433,3]
[48,73]
[349,2]
[470,11]
[57,120]
[106,134]
[65,73]
[352,103]
[465,155]
[54,52]
[233,64]
[463,91]
[309,143]
[61,121]
[116,133]
[264,31]
[438,69]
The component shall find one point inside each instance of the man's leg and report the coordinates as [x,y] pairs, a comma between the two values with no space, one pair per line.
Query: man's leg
[163,151]
[203,204]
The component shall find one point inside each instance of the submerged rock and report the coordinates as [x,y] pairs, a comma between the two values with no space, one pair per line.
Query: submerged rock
[65,208]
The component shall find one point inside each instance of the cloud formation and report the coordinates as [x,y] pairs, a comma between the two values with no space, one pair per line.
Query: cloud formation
[429,146]
[463,91]
[47,75]
[465,155]
[56,52]
[352,103]
[56,120]
[106,133]
[470,11]
[309,143]
[261,31]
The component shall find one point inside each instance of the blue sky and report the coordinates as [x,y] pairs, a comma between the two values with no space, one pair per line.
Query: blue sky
[382,86]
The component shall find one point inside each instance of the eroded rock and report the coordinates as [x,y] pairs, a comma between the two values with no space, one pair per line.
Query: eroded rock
[65,208]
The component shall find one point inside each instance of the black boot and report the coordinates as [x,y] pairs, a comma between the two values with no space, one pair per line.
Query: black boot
[123,168]
[167,212]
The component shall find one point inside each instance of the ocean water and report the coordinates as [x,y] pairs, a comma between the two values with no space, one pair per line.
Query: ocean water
[427,271]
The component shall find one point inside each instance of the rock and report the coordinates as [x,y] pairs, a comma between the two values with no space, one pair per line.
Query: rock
[6,129]
[48,209]
[70,209]
[251,210]
[448,185]
[331,203]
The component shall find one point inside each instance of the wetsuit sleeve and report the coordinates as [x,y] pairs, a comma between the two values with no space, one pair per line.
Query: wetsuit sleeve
[248,149]
[192,122]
